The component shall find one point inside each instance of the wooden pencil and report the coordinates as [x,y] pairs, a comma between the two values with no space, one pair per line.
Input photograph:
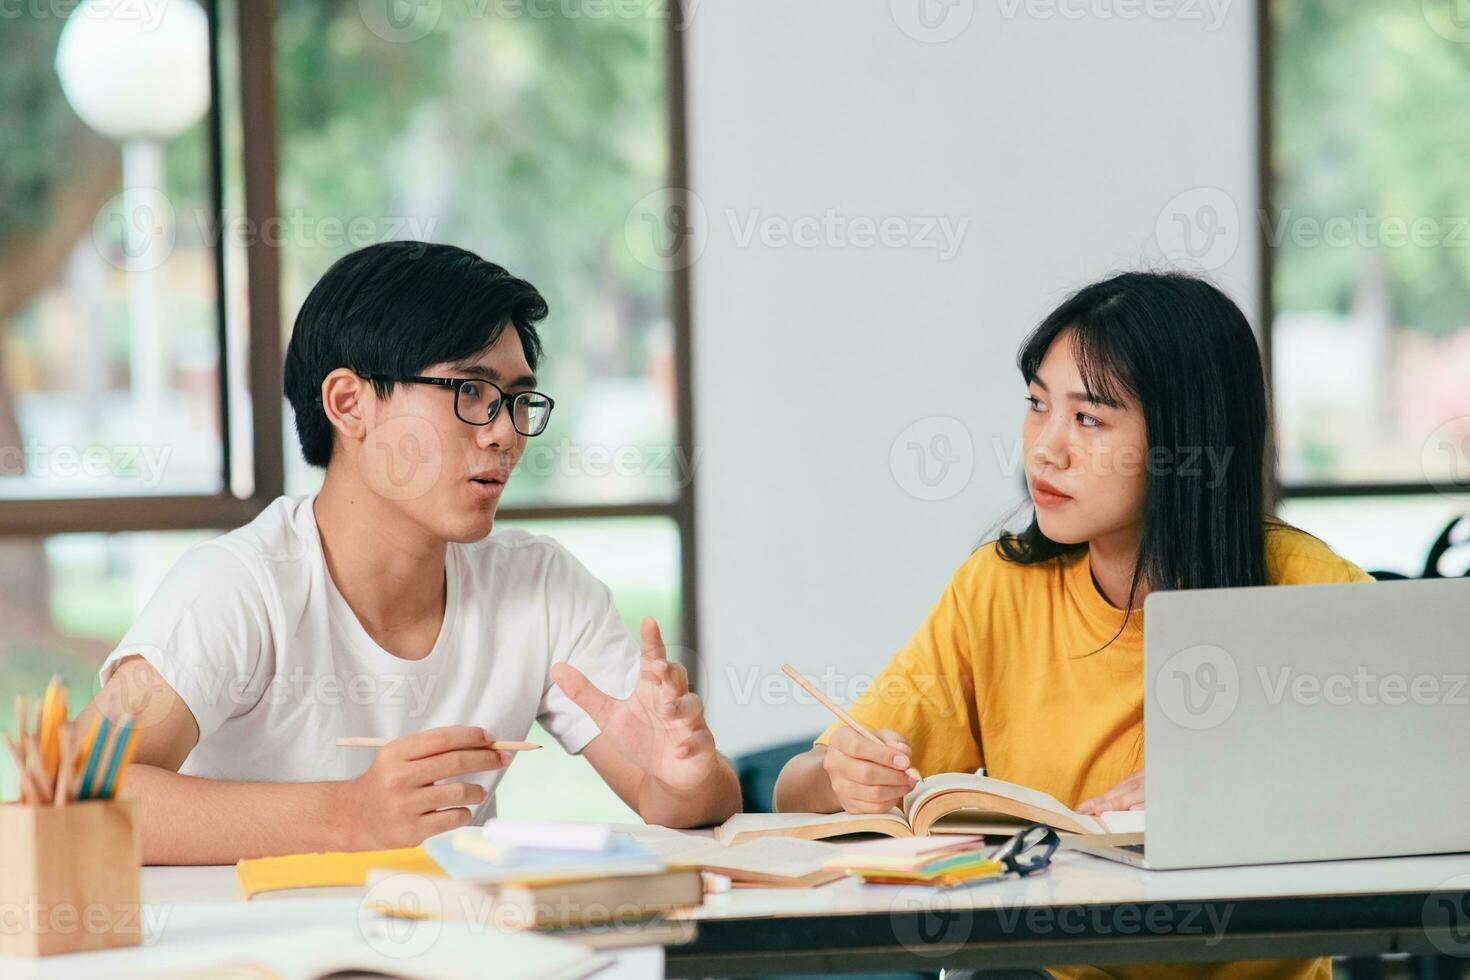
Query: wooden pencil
[31,749]
[366,742]
[64,766]
[842,715]
[29,791]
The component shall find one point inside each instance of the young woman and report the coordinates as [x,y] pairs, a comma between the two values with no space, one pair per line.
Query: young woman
[1146,452]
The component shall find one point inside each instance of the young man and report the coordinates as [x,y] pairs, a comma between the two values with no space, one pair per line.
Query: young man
[382,606]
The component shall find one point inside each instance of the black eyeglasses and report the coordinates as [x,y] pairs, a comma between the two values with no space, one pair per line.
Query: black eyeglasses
[477,401]
[1029,851]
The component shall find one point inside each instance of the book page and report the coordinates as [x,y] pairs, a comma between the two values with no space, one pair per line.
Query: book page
[812,826]
[769,857]
[949,782]
[1122,821]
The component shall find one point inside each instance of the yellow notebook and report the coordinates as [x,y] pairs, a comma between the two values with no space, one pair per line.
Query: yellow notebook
[328,869]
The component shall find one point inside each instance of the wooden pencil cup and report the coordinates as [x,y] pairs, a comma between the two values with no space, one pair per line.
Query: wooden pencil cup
[69,877]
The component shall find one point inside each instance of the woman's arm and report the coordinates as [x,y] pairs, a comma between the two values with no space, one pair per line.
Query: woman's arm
[852,774]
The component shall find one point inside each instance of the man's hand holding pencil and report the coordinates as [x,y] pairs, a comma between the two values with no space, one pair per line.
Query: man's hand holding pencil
[399,800]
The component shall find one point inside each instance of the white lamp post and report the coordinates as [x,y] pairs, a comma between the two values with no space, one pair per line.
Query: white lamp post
[140,80]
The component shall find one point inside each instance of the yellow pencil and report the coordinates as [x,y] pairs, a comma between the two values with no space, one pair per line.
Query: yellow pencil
[843,716]
[53,707]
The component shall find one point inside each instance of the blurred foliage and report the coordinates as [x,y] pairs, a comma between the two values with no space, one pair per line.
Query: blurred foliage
[45,147]
[524,137]
[36,126]
[1371,117]
[535,135]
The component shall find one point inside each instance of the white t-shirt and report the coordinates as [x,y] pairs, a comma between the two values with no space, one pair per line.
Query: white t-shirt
[251,632]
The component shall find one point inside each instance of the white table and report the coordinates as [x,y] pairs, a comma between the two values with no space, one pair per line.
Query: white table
[192,911]
[1083,909]
[1088,910]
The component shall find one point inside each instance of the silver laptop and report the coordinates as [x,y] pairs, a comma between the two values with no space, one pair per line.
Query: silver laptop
[1303,723]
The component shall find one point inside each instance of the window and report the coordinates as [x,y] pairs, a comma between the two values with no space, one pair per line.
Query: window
[154,266]
[1367,223]
[523,138]
[115,336]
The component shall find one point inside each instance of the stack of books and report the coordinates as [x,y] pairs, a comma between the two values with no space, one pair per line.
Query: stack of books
[511,875]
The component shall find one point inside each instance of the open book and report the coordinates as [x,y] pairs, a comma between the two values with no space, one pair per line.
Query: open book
[947,803]
[771,862]
[382,948]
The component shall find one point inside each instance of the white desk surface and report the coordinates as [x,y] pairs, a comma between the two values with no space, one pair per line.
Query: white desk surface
[193,915]
[1079,879]
[187,908]
[1074,879]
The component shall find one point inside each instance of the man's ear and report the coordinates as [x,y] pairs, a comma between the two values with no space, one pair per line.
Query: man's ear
[345,399]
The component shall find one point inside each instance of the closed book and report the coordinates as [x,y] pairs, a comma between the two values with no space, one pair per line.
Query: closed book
[556,904]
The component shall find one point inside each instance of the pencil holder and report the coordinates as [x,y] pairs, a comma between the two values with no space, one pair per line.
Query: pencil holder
[69,877]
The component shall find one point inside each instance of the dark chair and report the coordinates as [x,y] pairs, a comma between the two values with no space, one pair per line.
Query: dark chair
[1455,536]
[758,772]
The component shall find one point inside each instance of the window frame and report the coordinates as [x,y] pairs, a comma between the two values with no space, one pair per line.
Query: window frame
[165,512]
[1266,193]
[255,22]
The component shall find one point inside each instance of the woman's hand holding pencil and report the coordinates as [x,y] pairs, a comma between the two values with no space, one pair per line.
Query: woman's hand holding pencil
[868,776]
[870,770]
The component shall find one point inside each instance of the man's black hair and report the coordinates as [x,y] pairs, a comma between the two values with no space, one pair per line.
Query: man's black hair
[396,308]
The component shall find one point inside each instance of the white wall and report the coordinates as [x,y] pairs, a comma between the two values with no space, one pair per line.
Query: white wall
[1063,141]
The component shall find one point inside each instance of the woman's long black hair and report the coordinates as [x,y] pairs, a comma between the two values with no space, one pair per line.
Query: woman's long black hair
[1186,355]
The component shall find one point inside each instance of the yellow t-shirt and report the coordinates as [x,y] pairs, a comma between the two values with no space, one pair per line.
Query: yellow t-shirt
[1013,670]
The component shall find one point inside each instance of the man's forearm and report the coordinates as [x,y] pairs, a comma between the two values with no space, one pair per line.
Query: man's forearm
[192,820]
[713,803]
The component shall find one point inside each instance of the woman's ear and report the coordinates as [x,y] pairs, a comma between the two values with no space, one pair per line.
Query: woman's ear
[345,398]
